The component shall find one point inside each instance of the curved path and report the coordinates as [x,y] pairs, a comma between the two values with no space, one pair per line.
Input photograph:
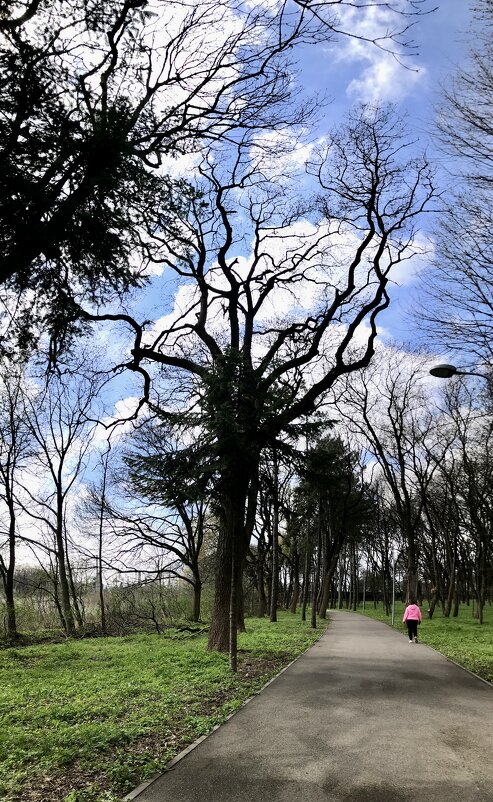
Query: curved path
[363,716]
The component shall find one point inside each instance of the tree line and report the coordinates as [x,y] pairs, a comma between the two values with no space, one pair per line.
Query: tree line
[391,477]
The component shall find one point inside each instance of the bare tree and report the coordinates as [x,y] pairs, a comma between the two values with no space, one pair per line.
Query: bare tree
[15,448]
[96,96]
[246,344]
[60,418]
[456,296]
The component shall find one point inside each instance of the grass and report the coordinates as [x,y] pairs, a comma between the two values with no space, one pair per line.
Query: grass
[88,720]
[462,639]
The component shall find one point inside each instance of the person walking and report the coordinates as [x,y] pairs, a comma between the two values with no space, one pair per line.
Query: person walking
[412,617]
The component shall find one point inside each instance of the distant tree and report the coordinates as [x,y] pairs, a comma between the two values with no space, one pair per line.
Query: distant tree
[61,417]
[162,495]
[93,511]
[470,477]
[15,448]
[386,406]
[331,501]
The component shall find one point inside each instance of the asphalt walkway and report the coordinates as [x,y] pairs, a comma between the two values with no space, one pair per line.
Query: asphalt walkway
[363,716]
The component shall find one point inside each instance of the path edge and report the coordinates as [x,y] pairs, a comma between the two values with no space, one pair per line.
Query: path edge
[184,752]
[459,665]
[428,646]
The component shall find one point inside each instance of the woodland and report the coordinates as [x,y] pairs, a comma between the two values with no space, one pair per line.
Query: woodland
[198,420]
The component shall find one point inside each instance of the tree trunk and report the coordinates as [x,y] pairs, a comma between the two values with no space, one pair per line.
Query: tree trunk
[306,584]
[10,619]
[433,602]
[219,630]
[8,581]
[450,594]
[197,592]
[295,583]
[324,598]
[56,599]
[261,597]
[102,608]
[455,611]
[233,612]
[231,550]
[240,598]
[66,608]
[73,592]
[412,572]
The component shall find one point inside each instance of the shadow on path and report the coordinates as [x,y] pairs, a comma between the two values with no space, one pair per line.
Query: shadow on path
[363,716]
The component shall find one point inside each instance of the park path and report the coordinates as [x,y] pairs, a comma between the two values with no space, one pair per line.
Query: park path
[363,716]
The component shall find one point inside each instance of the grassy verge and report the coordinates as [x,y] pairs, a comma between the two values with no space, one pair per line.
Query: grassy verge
[462,639]
[86,721]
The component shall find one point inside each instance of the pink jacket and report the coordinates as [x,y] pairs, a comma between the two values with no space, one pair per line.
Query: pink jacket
[412,612]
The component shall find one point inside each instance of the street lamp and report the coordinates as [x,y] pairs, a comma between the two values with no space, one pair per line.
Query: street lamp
[447,371]
[394,556]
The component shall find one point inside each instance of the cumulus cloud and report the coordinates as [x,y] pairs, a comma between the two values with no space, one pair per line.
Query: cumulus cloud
[383,76]
[385,79]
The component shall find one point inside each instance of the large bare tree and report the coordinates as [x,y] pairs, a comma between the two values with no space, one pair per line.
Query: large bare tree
[278,299]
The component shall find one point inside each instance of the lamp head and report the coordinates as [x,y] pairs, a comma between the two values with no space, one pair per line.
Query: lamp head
[444,371]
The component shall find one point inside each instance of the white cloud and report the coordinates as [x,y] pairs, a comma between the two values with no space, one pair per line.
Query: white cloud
[279,153]
[383,77]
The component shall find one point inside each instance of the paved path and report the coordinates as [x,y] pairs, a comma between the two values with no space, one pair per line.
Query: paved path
[363,716]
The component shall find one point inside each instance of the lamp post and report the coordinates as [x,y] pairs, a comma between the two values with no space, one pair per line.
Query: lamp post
[393,587]
[446,371]
[364,583]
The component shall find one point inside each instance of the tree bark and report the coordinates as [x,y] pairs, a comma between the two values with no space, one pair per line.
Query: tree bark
[231,550]
[219,629]
[197,593]
[296,583]
[8,572]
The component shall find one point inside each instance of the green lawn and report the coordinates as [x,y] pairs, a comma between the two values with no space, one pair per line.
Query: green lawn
[462,639]
[87,720]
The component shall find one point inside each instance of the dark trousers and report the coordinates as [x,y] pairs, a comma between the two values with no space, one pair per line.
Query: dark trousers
[412,628]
